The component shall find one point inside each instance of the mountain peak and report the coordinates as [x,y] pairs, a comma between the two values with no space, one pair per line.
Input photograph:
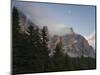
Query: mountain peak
[75,45]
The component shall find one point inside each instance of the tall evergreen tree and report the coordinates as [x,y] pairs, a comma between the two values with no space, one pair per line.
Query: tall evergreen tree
[45,51]
[15,27]
[58,58]
[17,42]
[33,45]
[38,48]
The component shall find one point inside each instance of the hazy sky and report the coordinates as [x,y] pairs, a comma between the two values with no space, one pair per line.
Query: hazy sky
[60,17]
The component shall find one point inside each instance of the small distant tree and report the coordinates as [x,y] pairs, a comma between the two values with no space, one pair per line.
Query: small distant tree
[67,63]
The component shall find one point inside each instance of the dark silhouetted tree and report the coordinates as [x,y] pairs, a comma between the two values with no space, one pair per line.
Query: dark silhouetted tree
[45,51]
[58,58]
[17,42]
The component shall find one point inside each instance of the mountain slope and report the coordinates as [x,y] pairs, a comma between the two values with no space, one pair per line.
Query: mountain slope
[74,45]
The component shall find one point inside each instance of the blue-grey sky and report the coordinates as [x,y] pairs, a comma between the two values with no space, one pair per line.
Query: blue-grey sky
[60,17]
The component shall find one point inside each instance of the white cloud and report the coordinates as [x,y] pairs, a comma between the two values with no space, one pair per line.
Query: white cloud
[91,39]
[59,29]
[42,19]
[41,16]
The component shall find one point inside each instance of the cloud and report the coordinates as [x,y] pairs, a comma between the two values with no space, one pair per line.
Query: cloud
[53,27]
[59,29]
[91,39]
[42,17]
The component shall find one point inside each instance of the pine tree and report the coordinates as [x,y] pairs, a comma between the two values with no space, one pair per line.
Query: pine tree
[33,48]
[38,48]
[15,28]
[45,51]
[58,58]
[17,42]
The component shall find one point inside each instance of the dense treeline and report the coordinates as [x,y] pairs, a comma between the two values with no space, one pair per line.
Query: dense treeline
[31,53]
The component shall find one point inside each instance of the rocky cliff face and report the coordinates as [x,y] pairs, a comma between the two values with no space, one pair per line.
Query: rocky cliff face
[74,45]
